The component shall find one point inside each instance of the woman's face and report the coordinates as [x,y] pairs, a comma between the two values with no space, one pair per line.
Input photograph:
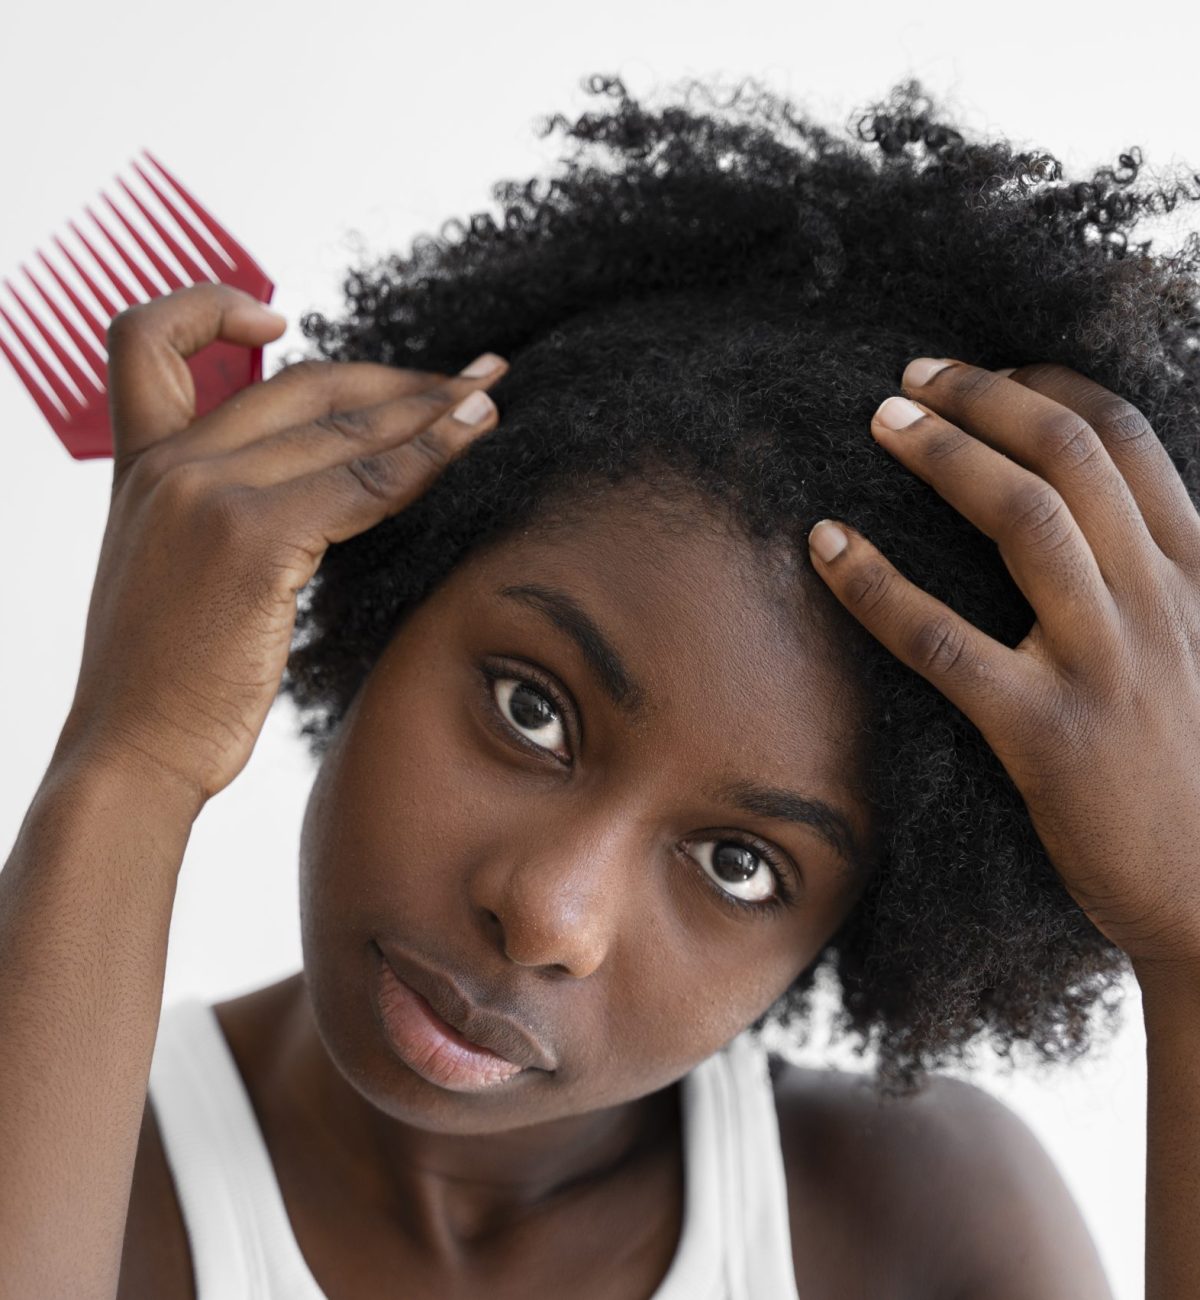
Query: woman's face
[567,786]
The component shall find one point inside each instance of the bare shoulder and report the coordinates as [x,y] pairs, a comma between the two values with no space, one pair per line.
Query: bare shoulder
[942,1194]
[156,1259]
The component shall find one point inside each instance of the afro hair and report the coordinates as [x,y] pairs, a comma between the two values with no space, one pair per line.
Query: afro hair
[720,293]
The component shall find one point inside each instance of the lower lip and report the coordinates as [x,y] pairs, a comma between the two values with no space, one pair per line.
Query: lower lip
[429,1046]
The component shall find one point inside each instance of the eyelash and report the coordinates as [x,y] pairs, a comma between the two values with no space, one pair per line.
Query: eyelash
[527,676]
[784,895]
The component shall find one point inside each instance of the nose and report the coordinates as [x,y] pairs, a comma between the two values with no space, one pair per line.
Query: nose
[554,894]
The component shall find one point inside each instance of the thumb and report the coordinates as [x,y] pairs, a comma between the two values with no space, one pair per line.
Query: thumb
[151,394]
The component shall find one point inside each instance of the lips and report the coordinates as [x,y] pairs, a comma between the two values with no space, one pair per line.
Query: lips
[463,1023]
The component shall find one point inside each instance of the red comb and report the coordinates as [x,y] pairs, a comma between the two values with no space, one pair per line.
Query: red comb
[204,250]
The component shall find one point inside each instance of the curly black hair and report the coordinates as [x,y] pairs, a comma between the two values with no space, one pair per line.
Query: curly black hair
[723,300]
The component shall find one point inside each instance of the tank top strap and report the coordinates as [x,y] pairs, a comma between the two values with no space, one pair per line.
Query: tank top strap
[736,1242]
[756,1192]
[242,1243]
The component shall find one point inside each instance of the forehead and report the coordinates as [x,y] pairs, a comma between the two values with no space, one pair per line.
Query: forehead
[721,633]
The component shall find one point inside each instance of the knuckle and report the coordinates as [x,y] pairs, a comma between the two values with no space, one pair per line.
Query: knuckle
[867,588]
[350,426]
[218,513]
[938,647]
[185,484]
[1123,424]
[377,476]
[1067,437]
[432,447]
[125,327]
[971,385]
[1038,515]
[945,442]
[148,465]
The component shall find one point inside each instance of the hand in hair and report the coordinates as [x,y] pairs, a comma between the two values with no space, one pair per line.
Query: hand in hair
[1096,713]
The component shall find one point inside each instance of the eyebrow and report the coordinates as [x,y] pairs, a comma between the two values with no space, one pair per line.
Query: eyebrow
[802,810]
[610,670]
[565,612]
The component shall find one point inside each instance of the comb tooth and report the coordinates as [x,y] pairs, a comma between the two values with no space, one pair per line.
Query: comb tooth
[172,280]
[199,240]
[85,348]
[51,376]
[232,249]
[189,263]
[83,380]
[33,388]
[122,288]
[213,228]
[96,326]
[151,289]
[107,306]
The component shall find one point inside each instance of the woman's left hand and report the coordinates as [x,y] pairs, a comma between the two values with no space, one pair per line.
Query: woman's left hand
[1096,714]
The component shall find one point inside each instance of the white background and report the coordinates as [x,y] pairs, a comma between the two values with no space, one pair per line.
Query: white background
[301,123]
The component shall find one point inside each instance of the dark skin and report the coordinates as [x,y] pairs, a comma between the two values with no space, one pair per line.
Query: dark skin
[555,880]
[574,896]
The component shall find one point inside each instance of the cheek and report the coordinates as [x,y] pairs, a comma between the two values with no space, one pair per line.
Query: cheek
[409,779]
[681,1001]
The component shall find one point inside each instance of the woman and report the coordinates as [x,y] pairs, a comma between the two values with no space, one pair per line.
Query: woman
[618,752]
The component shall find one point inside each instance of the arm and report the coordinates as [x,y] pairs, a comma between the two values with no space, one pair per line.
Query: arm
[85,909]
[1171,1012]
[215,523]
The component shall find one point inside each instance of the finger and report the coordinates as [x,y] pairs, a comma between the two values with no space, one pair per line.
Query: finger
[151,394]
[1059,446]
[1135,449]
[314,390]
[341,500]
[333,439]
[1041,544]
[978,675]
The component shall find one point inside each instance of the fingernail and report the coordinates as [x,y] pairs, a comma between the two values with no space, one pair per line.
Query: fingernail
[898,413]
[482,365]
[472,409]
[922,370]
[827,539]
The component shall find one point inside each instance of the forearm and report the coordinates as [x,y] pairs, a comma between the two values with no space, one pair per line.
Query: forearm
[1171,1011]
[85,909]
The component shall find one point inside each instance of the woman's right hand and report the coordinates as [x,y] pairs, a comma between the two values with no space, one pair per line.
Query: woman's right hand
[216,523]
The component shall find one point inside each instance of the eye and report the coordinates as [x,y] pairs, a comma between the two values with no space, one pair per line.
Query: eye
[745,875]
[530,710]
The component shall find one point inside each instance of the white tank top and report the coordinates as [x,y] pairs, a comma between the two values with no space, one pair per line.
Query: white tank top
[735,1243]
